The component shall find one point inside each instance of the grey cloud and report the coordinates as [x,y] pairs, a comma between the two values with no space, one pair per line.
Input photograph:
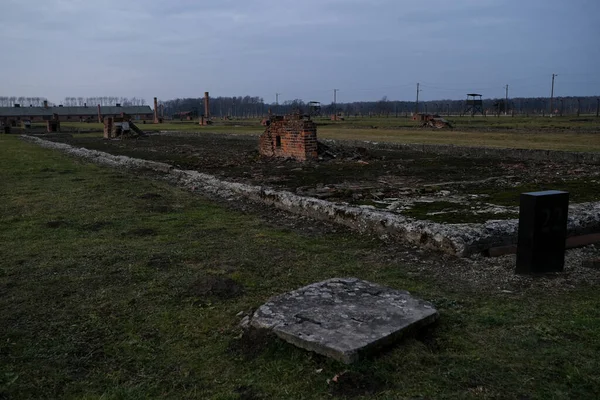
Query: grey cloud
[302,48]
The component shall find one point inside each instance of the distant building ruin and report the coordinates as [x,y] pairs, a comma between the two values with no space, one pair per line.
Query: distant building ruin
[120,127]
[205,118]
[431,120]
[83,113]
[290,136]
[53,125]
[157,119]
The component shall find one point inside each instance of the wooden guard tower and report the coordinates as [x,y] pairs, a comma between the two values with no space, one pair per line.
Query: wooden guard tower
[474,104]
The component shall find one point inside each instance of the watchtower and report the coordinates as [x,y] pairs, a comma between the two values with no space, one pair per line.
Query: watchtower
[314,108]
[474,104]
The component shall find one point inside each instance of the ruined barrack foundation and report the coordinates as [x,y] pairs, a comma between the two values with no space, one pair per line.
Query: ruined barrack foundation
[457,239]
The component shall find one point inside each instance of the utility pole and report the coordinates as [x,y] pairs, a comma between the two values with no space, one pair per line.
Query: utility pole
[417,103]
[552,94]
[277,102]
[597,108]
[578,107]
[506,102]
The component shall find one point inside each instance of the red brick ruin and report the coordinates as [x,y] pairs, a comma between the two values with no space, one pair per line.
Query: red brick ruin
[156,120]
[121,127]
[53,125]
[205,119]
[206,105]
[292,136]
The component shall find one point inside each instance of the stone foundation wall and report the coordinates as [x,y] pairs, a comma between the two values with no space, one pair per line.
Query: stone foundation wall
[108,127]
[457,239]
[289,137]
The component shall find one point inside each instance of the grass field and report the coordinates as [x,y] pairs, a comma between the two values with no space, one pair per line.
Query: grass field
[114,286]
[561,133]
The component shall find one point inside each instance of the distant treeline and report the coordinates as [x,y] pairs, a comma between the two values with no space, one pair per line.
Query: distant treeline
[10,101]
[246,106]
[249,107]
[103,101]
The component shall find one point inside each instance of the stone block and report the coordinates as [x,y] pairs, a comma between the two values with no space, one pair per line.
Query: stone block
[542,232]
[343,318]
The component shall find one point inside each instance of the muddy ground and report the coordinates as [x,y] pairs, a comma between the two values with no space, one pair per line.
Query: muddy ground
[425,186]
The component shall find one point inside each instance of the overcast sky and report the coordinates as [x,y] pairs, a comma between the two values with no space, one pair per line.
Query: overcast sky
[300,48]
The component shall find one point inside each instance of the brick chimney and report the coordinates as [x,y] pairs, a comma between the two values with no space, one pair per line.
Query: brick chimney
[45,103]
[206,106]
[155,110]
[99,114]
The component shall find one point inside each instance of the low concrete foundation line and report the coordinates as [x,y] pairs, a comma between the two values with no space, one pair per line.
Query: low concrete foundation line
[457,239]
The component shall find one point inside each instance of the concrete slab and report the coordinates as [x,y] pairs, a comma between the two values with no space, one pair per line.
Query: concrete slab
[343,318]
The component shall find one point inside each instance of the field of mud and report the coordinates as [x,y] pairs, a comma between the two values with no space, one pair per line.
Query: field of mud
[424,186]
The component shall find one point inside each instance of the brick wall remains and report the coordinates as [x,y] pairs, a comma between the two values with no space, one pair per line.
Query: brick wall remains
[53,126]
[292,136]
[108,127]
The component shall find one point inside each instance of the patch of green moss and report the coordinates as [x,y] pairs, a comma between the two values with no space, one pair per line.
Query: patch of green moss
[580,191]
[453,213]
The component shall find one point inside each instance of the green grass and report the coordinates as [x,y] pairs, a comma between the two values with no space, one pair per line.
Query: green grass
[105,293]
[477,122]
[580,191]
[587,142]
[561,133]
[451,213]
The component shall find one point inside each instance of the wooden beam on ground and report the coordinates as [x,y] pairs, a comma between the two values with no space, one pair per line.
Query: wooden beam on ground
[572,242]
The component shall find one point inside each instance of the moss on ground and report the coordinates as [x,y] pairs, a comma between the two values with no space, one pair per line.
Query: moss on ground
[451,213]
[580,191]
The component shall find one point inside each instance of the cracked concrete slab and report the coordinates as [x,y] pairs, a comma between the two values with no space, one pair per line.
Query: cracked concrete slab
[343,318]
